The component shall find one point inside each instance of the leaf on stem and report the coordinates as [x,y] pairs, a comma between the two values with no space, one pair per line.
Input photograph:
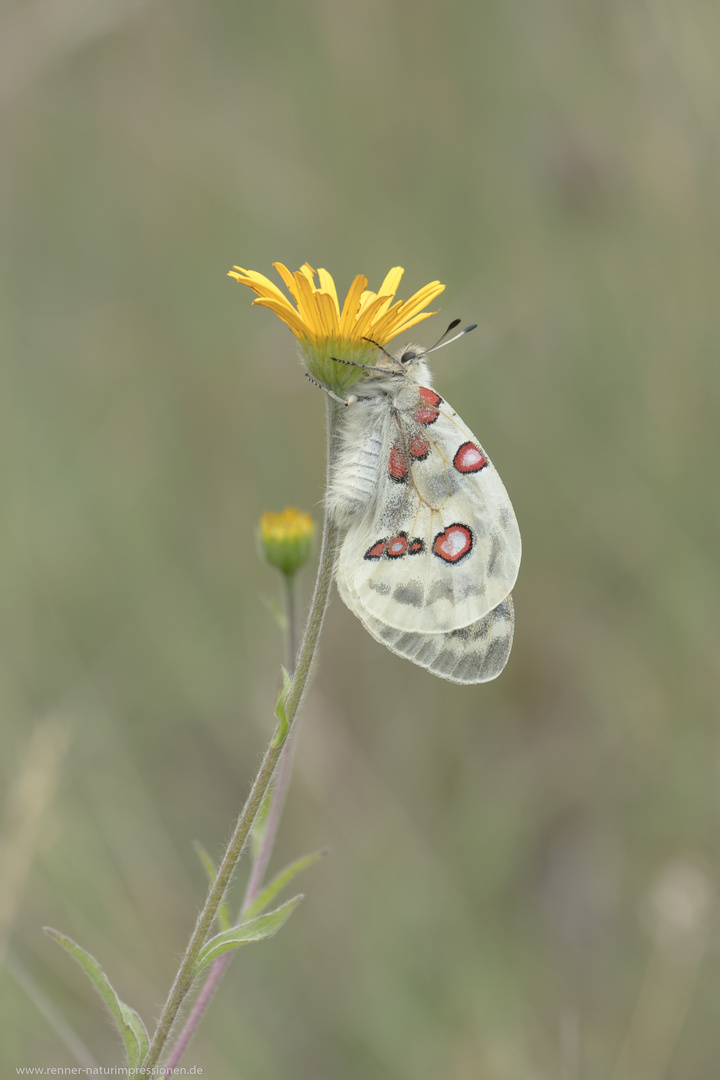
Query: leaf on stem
[128,1023]
[223,914]
[254,930]
[279,882]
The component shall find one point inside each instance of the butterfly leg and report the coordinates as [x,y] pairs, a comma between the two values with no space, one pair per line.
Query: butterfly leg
[330,393]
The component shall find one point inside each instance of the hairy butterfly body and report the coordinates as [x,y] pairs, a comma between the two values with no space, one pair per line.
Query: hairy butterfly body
[431,546]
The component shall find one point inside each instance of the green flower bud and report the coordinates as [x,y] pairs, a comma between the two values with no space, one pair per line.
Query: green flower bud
[286,539]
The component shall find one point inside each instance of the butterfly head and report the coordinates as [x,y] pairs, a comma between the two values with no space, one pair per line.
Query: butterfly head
[413,355]
[393,370]
[409,363]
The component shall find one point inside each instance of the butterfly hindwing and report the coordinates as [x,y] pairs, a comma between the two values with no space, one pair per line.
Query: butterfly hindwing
[469,654]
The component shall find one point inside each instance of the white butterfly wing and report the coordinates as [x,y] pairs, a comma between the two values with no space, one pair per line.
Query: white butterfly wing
[440,547]
[471,654]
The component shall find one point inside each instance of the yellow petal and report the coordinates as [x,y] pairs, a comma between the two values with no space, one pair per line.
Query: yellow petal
[421,298]
[257,282]
[306,304]
[350,307]
[327,285]
[391,282]
[390,286]
[402,327]
[366,319]
[287,277]
[385,324]
[365,300]
[309,273]
[327,310]
[287,313]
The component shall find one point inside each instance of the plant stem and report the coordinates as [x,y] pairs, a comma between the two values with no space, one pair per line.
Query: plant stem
[260,863]
[289,581]
[276,749]
[282,782]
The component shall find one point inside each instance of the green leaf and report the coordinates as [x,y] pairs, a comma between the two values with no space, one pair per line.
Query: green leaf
[282,728]
[223,915]
[254,930]
[134,1021]
[279,882]
[128,1023]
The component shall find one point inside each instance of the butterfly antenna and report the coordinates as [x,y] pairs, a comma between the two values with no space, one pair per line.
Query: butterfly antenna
[380,347]
[440,343]
[352,363]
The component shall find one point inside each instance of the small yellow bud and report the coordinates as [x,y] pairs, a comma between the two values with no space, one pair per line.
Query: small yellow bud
[286,539]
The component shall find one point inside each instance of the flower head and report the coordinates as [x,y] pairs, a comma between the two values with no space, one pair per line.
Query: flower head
[286,539]
[325,329]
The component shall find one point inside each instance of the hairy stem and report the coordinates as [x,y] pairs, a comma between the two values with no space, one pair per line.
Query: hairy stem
[261,860]
[277,748]
[289,581]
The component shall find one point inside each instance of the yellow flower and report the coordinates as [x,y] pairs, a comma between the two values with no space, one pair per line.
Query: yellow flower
[324,329]
[286,538]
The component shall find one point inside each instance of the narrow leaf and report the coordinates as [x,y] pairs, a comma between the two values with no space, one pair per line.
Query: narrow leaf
[279,882]
[134,1021]
[254,930]
[127,1022]
[223,915]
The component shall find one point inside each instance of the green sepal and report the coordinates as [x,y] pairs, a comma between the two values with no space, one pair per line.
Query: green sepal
[318,357]
[279,882]
[223,913]
[282,728]
[127,1022]
[253,930]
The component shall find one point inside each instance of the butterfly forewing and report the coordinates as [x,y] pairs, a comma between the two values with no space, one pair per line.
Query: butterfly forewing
[439,548]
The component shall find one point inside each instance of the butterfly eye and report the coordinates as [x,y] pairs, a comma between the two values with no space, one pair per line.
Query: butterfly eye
[408,356]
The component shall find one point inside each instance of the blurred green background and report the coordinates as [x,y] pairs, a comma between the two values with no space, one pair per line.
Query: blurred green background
[522,875]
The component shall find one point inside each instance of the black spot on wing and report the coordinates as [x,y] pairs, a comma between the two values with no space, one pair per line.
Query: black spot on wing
[496,550]
[412,594]
[441,589]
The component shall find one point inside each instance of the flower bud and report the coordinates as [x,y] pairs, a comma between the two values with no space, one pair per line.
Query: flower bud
[286,539]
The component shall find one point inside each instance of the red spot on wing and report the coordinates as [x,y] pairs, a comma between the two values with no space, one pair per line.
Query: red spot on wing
[426,415]
[416,546]
[419,448]
[453,543]
[377,550]
[397,546]
[397,465]
[469,458]
[428,396]
[428,412]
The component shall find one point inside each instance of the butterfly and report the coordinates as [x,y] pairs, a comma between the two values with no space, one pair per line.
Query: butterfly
[430,546]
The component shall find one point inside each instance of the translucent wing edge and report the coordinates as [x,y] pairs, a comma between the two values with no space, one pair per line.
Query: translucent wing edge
[471,654]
